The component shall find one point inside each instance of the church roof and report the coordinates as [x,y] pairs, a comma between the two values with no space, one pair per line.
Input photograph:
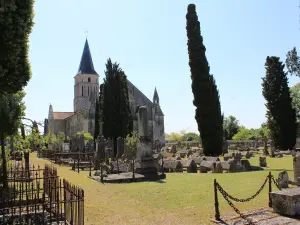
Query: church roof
[62,115]
[86,64]
[155,96]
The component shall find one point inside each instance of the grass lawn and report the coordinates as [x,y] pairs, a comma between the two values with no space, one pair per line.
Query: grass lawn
[179,199]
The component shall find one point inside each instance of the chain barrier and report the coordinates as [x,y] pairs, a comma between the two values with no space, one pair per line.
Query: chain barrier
[246,199]
[226,197]
[276,184]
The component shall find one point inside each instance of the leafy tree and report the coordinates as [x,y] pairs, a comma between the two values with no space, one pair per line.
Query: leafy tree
[11,106]
[293,62]
[280,113]
[16,22]
[206,96]
[174,137]
[295,94]
[117,118]
[230,127]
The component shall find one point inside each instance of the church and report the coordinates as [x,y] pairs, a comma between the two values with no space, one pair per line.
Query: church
[86,91]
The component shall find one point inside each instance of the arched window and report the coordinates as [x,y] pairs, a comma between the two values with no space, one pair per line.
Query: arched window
[82,91]
[89,79]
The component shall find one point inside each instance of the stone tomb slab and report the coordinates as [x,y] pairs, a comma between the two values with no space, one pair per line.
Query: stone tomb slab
[286,202]
[121,177]
[264,216]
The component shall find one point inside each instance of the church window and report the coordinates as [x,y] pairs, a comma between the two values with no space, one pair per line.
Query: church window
[89,79]
[82,91]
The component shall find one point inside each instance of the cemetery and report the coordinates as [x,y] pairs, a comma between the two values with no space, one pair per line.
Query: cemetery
[110,160]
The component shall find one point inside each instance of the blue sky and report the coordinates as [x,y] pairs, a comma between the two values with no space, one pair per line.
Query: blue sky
[148,39]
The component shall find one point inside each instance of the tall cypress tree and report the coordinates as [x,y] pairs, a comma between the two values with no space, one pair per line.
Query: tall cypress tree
[16,22]
[117,119]
[206,96]
[281,115]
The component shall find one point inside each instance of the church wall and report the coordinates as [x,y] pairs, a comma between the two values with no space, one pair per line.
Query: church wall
[76,123]
[56,126]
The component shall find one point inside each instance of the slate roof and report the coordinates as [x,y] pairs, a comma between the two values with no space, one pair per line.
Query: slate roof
[62,115]
[86,64]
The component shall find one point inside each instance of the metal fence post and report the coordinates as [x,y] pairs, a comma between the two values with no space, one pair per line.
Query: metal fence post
[217,212]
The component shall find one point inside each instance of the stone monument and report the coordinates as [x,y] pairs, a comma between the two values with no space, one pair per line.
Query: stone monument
[262,161]
[145,162]
[283,179]
[296,167]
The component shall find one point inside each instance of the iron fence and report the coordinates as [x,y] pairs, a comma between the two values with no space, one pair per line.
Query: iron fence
[39,196]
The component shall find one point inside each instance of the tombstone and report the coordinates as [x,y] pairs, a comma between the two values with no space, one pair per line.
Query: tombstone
[100,154]
[293,153]
[173,149]
[207,166]
[227,156]
[218,168]
[296,167]
[262,161]
[229,166]
[120,146]
[145,163]
[246,165]
[66,146]
[283,179]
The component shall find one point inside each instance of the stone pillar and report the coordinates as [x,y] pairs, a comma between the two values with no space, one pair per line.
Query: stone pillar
[296,167]
[120,146]
[145,147]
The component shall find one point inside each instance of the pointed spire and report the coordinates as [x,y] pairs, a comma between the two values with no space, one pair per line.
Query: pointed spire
[50,113]
[155,97]
[86,64]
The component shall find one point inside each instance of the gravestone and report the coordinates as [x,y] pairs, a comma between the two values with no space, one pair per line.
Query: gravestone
[283,179]
[173,149]
[120,146]
[145,163]
[100,154]
[296,167]
[262,161]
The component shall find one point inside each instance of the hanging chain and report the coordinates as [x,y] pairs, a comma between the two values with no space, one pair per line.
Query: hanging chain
[246,199]
[226,196]
[276,184]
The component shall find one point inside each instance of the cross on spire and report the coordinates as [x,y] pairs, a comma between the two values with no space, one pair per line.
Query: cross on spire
[86,33]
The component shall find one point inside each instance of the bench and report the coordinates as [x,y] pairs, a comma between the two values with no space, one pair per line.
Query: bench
[286,202]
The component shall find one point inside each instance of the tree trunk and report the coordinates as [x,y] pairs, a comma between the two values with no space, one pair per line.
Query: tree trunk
[4,169]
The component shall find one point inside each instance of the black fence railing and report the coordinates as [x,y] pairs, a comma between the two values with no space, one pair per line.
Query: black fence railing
[39,196]
[230,199]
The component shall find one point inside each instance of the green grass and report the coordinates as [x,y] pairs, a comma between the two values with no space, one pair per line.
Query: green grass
[179,199]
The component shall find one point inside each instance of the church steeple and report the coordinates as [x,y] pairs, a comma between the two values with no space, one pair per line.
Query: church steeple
[155,97]
[86,64]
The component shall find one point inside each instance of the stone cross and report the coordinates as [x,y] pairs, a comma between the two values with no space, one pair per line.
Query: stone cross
[120,146]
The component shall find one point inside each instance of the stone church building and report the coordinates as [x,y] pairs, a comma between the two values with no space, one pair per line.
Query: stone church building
[86,90]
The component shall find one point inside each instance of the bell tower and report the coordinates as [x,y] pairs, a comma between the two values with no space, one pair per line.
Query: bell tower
[86,86]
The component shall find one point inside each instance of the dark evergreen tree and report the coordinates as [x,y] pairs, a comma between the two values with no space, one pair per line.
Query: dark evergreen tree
[281,115]
[16,21]
[117,118]
[35,127]
[206,97]
[97,121]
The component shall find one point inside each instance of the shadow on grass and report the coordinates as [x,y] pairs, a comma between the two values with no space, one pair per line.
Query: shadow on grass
[267,169]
